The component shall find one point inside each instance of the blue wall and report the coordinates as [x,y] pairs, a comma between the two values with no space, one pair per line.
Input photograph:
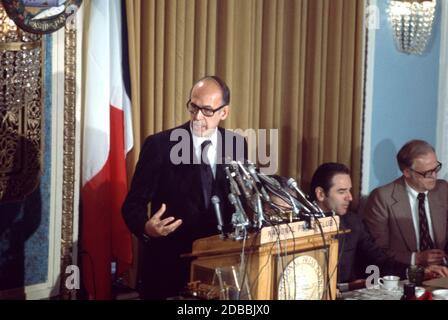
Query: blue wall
[405,97]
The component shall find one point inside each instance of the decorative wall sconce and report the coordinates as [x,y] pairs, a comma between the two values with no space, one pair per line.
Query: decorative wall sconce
[412,22]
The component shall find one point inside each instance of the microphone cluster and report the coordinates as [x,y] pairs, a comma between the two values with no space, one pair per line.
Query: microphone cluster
[258,200]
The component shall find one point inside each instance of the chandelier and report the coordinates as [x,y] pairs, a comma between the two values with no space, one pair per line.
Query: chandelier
[412,23]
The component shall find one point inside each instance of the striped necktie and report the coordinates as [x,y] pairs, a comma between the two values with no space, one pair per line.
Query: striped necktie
[425,239]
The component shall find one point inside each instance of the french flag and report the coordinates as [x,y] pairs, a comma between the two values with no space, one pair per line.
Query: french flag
[107,137]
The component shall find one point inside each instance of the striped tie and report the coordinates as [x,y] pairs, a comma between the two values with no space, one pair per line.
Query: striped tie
[425,239]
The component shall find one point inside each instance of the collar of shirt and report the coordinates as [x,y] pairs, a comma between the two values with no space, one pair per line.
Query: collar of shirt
[412,193]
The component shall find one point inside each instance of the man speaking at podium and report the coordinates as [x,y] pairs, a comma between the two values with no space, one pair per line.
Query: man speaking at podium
[178,171]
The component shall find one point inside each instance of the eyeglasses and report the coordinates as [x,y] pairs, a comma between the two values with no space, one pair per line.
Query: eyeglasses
[206,110]
[429,173]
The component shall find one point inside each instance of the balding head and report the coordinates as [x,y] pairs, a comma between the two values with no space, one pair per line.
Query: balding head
[208,105]
[215,82]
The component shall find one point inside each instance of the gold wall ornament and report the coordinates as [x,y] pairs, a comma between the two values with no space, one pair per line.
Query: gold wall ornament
[41,16]
[68,186]
[21,56]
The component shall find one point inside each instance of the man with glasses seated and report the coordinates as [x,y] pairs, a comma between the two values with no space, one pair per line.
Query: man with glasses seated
[178,172]
[331,191]
[408,217]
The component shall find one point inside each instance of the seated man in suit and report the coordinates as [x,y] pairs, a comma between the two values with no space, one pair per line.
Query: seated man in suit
[331,190]
[178,171]
[408,217]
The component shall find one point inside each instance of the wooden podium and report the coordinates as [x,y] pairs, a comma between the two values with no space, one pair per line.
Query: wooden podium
[285,262]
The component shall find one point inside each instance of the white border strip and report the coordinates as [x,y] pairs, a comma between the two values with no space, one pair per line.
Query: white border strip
[368,107]
[78,129]
[51,287]
[442,113]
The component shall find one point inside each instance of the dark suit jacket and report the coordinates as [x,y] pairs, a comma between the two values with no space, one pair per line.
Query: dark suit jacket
[358,249]
[389,219]
[158,180]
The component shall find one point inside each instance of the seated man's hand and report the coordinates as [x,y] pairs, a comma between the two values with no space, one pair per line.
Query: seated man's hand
[156,227]
[429,257]
[435,271]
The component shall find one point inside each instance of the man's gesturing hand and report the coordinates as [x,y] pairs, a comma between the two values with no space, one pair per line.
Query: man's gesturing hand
[156,227]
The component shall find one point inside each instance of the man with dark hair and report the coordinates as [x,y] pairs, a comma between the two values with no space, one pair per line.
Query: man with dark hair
[178,171]
[323,177]
[408,217]
[331,189]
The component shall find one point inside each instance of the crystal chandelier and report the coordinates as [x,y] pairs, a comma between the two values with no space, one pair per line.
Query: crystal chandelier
[412,23]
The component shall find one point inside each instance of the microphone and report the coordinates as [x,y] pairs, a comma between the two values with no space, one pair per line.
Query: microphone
[239,179]
[293,185]
[301,205]
[215,201]
[233,200]
[272,183]
[233,185]
[258,183]
[246,174]
[294,206]
[322,213]
[259,217]
[240,216]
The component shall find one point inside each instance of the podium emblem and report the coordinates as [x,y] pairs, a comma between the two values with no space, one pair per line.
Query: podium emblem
[302,279]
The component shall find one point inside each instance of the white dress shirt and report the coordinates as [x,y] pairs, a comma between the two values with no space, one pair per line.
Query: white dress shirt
[211,151]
